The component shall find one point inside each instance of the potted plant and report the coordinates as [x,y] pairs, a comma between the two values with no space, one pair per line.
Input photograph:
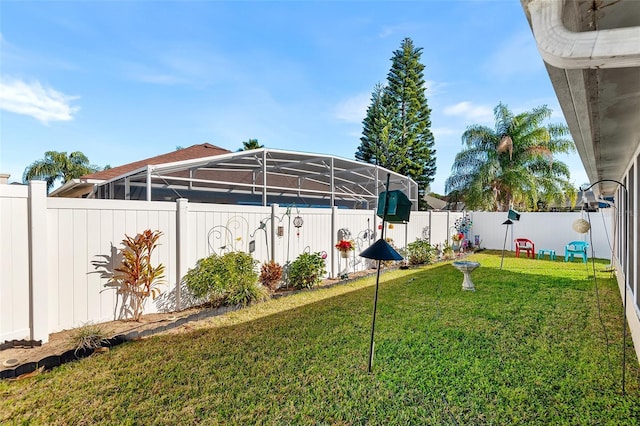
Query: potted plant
[457,238]
[345,246]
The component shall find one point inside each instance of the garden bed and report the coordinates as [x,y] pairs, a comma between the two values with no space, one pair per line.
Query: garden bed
[25,359]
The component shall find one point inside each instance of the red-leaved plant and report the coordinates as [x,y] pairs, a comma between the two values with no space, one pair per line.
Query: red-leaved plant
[137,279]
[271,275]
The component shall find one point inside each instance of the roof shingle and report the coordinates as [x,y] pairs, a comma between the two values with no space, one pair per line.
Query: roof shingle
[194,151]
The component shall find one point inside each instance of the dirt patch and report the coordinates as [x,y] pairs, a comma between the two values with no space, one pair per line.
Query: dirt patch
[62,341]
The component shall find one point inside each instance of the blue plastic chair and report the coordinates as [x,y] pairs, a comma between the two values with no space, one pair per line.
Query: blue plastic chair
[576,248]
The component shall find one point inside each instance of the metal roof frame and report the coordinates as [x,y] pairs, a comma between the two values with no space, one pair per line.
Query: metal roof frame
[274,172]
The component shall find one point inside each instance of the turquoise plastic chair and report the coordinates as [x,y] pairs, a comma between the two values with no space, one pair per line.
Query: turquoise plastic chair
[576,248]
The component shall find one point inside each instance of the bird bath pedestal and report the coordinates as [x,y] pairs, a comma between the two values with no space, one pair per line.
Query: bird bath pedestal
[466,268]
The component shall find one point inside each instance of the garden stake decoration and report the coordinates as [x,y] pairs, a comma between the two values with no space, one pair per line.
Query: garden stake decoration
[380,250]
[504,246]
[625,206]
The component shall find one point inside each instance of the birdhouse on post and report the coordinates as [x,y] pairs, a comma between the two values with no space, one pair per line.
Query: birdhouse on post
[399,206]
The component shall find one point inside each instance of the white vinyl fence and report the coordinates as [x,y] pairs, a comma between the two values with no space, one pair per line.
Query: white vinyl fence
[550,231]
[57,254]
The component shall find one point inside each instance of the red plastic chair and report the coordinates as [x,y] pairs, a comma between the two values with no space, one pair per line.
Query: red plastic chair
[523,244]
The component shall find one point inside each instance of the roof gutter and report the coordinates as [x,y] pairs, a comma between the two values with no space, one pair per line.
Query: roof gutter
[562,48]
[69,186]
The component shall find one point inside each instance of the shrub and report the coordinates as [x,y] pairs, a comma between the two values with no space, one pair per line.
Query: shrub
[136,278]
[88,336]
[419,252]
[271,274]
[246,292]
[447,251]
[206,280]
[307,270]
[226,280]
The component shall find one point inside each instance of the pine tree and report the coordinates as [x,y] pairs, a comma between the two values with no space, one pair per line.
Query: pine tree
[396,130]
[375,134]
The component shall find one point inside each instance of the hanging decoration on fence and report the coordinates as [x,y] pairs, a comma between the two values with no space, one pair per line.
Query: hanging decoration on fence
[229,237]
[297,222]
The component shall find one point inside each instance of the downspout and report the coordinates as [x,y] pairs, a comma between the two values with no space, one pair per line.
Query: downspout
[562,48]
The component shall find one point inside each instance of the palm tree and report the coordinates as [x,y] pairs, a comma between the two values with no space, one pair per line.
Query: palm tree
[513,165]
[58,166]
[250,144]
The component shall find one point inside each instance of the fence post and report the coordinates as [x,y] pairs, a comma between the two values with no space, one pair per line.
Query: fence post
[375,225]
[406,235]
[334,239]
[182,244]
[273,231]
[38,283]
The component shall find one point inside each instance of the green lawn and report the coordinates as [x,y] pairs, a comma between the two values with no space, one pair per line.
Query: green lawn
[527,347]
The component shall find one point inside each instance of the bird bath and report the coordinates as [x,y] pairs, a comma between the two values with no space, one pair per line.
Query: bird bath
[466,268]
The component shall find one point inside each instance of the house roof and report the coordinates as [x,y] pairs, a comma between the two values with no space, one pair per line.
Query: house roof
[194,151]
[435,203]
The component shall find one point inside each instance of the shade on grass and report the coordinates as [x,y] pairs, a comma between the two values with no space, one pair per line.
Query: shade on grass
[526,347]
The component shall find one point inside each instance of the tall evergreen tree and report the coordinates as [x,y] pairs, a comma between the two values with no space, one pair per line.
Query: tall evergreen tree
[374,142]
[396,131]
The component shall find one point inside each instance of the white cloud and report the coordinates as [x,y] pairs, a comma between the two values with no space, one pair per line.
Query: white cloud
[434,87]
[403,28]
[32,99]
[470,112]
[179,65]
[353,109]
[517,56]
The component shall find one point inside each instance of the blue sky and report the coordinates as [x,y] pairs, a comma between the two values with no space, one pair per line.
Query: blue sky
[122,81]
